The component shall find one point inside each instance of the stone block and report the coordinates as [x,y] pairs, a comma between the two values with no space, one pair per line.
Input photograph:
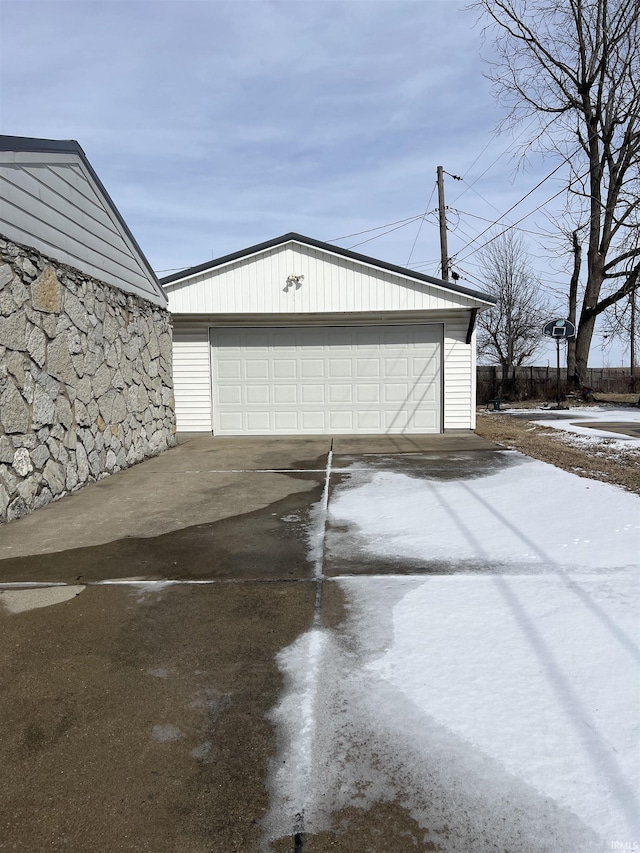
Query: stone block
[110,327]
[4,502]
[70,439]
[96,464]
[63,412]
[13,410]
[28,268]
[45,381]
[15,362]
[6,274]
[7,304]
[45,497]
[28,489]
[25,440]
[82,463]
[7,449]
[92,408]
[76,312]
[83,389]
[44,409]
[19,292]
[102,380]
[59,363]
[17,509]
[13,331]
[54,474]
[36,345]
[81,413]
[72,476]
[39,455]
[75,342]
[119,410]
[22,462]
[46,291]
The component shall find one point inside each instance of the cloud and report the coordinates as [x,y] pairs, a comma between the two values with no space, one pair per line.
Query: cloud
[215,125]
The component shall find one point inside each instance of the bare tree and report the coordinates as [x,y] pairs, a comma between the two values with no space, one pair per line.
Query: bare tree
[622,323]
[575,64]
[510,333]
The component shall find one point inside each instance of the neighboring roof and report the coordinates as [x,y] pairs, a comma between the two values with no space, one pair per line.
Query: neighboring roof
[327,247]
[70,146]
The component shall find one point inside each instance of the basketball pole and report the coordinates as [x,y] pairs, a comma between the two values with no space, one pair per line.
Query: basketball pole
[558,373]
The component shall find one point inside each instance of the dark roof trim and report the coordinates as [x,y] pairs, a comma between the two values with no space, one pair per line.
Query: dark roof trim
[70,146]
[336,250]
[28,143]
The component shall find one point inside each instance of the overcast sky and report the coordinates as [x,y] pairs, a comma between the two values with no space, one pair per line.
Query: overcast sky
[218,125]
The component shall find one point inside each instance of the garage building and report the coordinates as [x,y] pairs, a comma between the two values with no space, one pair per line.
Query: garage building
[296,336]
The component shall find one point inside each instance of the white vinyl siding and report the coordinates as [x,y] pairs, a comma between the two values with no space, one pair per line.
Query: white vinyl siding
[459,374]
[50,201]
[331,283]
[191,378]
[327,380]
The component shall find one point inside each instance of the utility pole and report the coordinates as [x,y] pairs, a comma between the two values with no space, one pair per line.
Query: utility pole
[444,255]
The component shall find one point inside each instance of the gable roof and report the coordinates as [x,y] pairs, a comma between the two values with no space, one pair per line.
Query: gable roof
[293,237]
[25,144]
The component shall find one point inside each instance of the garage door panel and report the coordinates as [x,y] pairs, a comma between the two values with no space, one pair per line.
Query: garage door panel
[368,421]
[340,421]
[425,420]
[313,422]
[367,368]
[285,368]
[257,368]
[312,368]
[285,394]
[229,369]
[323,380]
[368,393]
[340,368]
[396,393]
[425,366]
[230,394]
[312,393]
[285,422]
[254,394]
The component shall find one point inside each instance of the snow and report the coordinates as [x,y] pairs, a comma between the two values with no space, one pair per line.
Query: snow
[528,516]
[497,702]
[572,421]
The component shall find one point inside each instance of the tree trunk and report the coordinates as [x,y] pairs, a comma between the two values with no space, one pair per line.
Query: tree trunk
[572,375]
[583,345]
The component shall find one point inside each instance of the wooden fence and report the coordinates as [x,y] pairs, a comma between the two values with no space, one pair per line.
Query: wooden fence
[539,383]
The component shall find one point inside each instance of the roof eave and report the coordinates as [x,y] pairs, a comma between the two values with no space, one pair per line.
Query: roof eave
[292,236]
[70,146]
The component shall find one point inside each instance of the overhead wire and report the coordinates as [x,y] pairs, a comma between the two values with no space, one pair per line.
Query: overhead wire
[426,211]
[377,228]
[513,207]
[370,239]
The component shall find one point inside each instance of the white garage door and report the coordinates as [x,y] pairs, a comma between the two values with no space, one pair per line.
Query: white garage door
[355,379]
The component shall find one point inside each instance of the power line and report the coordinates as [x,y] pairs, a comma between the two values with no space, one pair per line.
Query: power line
[370,239]
[499,157]
[426,210]
[546,234]
[495,237]
[377,228]
[513,206]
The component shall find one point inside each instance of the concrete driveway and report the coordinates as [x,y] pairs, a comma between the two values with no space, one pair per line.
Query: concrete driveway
[135,713]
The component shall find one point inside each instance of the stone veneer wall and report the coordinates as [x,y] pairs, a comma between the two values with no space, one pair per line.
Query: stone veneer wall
[85,380]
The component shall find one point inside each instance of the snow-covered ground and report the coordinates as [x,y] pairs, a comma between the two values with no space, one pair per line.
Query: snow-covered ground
[498,702]
[572,421]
